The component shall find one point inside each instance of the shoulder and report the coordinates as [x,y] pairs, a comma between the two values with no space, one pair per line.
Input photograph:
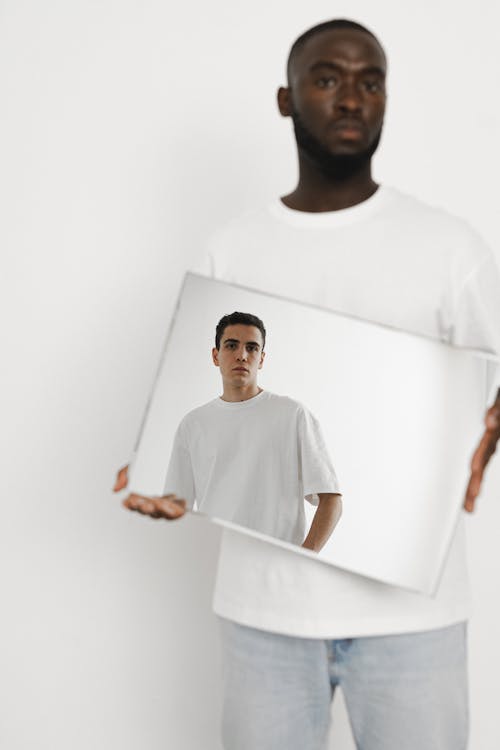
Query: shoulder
[197,416]
[432,218]
[248,224]
[287,405]
[447,238]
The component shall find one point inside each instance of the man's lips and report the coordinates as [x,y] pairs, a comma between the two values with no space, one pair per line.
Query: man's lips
[240,369]
[348,126]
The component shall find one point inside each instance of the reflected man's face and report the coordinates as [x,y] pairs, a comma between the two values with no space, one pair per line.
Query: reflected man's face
[240,355]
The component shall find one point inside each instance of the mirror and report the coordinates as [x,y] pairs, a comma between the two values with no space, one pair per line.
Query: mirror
[400,415]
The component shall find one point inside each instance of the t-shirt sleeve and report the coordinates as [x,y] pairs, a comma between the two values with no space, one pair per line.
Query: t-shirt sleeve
[316,470]
[179,479]
[477,316]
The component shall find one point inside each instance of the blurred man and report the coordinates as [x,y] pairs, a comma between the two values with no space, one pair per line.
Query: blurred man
[340,240]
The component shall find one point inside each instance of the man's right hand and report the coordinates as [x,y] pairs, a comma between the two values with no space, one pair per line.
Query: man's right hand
[167,506]
[121,479]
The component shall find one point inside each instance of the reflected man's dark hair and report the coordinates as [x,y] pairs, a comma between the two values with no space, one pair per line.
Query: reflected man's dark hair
[239,318]
[336,23]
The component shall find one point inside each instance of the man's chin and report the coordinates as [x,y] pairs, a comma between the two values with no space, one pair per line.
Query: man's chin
[239,380]
[348,148]
[345,160]
[340,156]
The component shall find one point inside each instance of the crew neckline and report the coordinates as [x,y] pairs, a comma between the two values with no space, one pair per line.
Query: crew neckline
[247,403]
[342,217]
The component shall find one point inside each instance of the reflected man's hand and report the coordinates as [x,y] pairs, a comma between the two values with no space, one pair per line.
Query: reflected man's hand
[483,453]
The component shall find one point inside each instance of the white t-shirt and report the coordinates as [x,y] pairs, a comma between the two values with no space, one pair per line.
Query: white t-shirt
[391,260]
[252,462]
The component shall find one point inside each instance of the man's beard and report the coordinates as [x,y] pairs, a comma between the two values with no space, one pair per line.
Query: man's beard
[338,166]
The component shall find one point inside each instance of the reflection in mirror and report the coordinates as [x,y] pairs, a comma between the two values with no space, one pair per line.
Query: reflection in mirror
[374,406]
[252,456]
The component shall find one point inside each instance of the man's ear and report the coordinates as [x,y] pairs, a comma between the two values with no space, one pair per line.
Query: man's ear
[263,354]
[285,104]
[215,356]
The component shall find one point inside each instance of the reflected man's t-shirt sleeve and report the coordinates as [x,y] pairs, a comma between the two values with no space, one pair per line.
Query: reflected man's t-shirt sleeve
[316,469]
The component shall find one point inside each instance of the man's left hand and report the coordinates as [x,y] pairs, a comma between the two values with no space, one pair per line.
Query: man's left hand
[483,453]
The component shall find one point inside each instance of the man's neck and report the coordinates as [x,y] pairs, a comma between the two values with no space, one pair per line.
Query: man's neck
[240,394]
[318,192]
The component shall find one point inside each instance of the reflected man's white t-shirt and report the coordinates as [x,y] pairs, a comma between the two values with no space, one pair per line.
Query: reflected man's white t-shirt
[252,463]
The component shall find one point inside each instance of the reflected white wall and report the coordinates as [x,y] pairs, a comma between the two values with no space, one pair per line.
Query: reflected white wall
[128,132]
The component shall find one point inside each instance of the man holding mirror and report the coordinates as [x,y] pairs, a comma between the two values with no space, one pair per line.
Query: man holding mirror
[294,630]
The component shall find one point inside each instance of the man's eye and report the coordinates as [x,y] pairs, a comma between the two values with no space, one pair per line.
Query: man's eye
[326,82]
[373,86]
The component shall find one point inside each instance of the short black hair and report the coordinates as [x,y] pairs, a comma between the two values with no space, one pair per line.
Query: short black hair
[336,23]
[237,318]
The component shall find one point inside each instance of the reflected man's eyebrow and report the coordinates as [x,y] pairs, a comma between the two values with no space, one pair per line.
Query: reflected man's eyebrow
[368,69]
[237,341]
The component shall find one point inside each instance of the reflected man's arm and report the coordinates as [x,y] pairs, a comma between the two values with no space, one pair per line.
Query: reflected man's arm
[325,519]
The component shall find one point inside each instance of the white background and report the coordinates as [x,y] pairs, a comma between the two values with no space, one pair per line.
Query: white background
[128,132]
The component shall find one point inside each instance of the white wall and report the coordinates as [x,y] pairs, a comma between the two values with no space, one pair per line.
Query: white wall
[129,131]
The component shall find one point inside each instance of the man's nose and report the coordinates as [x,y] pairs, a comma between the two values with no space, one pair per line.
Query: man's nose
[348,99]
[242,354]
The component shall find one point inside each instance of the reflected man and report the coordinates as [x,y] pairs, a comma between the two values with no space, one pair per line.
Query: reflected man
[250,456]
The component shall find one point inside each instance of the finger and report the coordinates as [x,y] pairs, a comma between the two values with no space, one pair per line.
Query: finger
[480,459]
[130,502]
[150,505]
[470,499]
[146,506]
[118,485]
[170,508]
[492,420]
[470,495]
[483,452]
[121,479]
[134,502]
[473,488]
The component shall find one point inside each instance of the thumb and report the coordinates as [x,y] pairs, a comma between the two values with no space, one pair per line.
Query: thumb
[121,479]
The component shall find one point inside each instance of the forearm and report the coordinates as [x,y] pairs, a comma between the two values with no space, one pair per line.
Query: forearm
[325,519]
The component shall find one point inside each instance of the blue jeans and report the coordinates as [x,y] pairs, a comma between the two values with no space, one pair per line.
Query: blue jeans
[402,692]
